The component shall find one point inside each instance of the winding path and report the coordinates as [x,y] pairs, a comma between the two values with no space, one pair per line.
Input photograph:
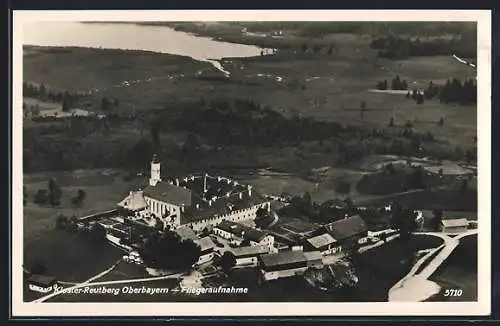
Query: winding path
[90,283]
[417,286]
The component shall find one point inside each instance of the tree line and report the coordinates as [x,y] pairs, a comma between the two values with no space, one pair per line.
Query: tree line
[396,84]
[42,93]
[397,48]
[210,127]
[53,194]
[453,91]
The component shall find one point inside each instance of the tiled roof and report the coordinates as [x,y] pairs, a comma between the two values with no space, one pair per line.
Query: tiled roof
[282,258]
[221,206]
[242,230]
[346,228]
[221,198]
[249,251]
[134,201]
[205,243]
[313,255]
[186,232]
[321,240]
[169,193]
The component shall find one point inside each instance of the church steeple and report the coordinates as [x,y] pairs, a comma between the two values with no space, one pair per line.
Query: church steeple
[155,171]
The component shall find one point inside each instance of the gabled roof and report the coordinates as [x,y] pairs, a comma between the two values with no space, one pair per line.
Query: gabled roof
[282,258]
[205,243]
[241,230]
[134,201]
[346,228]
[169,193]
[249,251]
[456,222]
[313,255]
[321,241]
[186,232]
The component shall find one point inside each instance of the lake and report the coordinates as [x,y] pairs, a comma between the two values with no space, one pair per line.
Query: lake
[128,36]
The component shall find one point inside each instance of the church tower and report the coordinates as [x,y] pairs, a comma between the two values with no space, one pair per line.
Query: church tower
[155,171]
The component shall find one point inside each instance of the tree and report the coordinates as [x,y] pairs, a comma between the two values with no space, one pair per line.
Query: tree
[115,102]
[61,222]
[441,122]
[55,193]
[169,251]
[389,168]
[437,219]
[79,199]
[66,102]
[98,233]
[362,111]
[41,197]
[72,224]
[105,104]
[227,261]
[304,47]
[307,199]
[391,122]
[403,220]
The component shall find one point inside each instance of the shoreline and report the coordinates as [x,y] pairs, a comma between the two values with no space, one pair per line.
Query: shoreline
[58,48]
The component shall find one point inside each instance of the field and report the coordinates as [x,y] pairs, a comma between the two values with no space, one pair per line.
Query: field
[102,190]
[70,257]
[459,271]
[330,87]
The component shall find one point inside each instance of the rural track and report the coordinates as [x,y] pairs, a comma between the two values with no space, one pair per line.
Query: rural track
[446,249]
[90,283]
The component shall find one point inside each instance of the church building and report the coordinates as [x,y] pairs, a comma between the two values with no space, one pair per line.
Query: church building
[196,201]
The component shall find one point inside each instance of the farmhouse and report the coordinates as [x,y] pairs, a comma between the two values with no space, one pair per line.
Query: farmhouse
[207,249]
[41,283]
[237,233]
[248,256]
[456,225]
[347,230]
[195,201]
[287,264]
[323,243]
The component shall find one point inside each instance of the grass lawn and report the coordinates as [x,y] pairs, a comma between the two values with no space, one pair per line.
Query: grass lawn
[379,269]
[43,106]
[124,271]
[70,257]
[447,200]
[459,272]
[424,241]
[103,191]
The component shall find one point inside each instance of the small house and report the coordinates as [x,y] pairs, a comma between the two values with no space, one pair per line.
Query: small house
[248,256]
[41,283]
[285,264]
[456,225]
[237,233]
[323,243]
[347,230]
[314,259]
[207,249]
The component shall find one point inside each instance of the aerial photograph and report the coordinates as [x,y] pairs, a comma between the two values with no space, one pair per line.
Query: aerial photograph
[249,161]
